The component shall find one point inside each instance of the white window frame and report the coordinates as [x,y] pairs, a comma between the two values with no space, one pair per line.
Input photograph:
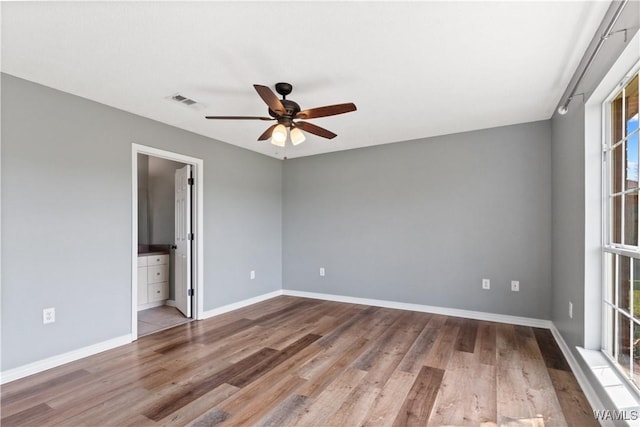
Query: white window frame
[615,250]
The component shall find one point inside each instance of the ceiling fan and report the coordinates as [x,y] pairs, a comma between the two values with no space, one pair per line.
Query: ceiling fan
[285,111]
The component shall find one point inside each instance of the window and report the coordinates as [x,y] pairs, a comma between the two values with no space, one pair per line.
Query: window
[621,249]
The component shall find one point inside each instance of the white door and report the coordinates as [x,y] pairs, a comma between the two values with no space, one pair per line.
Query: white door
[183,239]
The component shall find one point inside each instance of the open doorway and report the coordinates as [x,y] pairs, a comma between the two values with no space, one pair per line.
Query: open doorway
[166,242]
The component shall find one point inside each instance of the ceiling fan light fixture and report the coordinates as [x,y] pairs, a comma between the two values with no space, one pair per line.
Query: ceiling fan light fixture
[279,136]
[297,136]
[284,111]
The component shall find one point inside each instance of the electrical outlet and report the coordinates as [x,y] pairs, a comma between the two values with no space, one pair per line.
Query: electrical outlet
[252,275]
[570,310]
[486,284]
[48,315]
[321,271]
[515,286]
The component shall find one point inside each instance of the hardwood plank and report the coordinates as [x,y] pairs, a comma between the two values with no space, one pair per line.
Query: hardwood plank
[255,311]
[26,398]
[290,312]
[281,415]
[292,361]
[138,420]
[348,323]
[43,387]
[212,418]
[27,416]
[414,359]
[486,342]
[466,339]
[523,382]
[331,398]
[454,322]
[394,344]
[261,400]
[418,404]
[217,334]
[95,390]
[107,411]
[282,337]
[550,350]
[523,331]
[380,362]
[437,321]
[535,421]
[356,406]
[390,399]
[505,344]
[574,404]
[322,370]
[171,403]
[511,395]
[268,390]
[440,354]
[392,334]
[199,407]
[464,402]
[249,375]
[242,344]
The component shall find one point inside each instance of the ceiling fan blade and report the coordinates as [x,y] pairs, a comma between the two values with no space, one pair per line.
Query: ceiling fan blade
[270,99]
[267,133]
[329,110]
[316,130]
[239,118]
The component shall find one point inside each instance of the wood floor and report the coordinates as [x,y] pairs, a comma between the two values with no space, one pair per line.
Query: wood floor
[303,362]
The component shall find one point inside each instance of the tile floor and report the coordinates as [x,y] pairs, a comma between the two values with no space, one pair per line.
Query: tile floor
[159,318]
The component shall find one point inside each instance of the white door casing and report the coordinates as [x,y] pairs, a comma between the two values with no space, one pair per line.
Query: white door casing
[183,239]
[197,210]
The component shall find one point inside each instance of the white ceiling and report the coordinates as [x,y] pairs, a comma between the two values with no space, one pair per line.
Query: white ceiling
[414,69]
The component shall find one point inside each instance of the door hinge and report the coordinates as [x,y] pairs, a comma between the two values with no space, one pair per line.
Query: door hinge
[189,292]
[190,236]
[189,181]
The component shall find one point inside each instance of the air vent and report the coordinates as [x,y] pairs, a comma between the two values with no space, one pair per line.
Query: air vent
[187,102]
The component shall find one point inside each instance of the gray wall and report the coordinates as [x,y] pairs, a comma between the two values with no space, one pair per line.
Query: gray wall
[576,195]
[424,221]
[568,203]
[143,199]
[568,187]
[66,222]
[419,222]
[162,200]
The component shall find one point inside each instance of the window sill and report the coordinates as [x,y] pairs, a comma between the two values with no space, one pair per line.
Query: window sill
[621,393]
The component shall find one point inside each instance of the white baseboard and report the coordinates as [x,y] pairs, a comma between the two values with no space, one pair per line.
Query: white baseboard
[61,359]
[52,362]
[584,383]
[170,303]
[455,312]
[236,305]
[151,305]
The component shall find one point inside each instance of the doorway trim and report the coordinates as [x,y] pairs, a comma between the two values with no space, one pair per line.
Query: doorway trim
[198,220]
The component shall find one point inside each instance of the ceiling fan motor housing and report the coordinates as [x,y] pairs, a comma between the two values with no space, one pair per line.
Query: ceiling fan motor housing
[291,109]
